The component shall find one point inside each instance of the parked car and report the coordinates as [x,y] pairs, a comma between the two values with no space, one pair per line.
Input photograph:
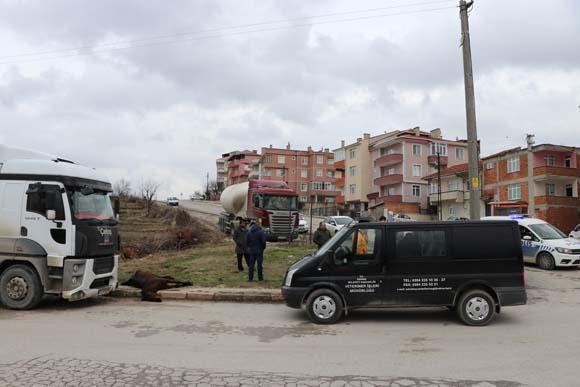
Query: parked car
[196,197]
[402,218]
[172,201]
[474,268]
[335,223]
[454,218]
[544,244]
[575,233]
[302,224]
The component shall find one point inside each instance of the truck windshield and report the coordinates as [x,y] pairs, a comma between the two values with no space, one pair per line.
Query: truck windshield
[547,231]
[96,205]
[279,202]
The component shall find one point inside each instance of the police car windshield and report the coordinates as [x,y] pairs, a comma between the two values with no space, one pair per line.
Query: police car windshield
[547,231]
[324,249]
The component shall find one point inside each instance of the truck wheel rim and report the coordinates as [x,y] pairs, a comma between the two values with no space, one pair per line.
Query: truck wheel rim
[324,307]
[477,308]
[17,288]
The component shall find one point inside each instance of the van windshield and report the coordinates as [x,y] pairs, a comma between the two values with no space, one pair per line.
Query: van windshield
[331,242]
[547,231]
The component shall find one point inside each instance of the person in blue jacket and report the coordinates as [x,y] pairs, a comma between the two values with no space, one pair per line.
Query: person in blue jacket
[255,246]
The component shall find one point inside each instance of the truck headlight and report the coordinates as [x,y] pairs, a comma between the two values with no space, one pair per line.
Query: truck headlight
[564,250]
[289,276]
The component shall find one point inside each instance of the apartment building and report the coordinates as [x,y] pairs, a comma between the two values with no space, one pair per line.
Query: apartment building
[400,160]
[354,160]
[221,165]
[540,180]
[238,165]
[309,172]
[449,192]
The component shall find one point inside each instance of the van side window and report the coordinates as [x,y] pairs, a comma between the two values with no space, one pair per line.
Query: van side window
[45,197]
[417,244]
[358,247]
[480,242]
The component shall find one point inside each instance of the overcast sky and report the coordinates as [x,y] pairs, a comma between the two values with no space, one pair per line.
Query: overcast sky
[166,110]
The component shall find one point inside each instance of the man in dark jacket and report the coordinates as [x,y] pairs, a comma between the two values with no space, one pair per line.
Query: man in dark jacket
[321,235]
[255,246]
[240,240]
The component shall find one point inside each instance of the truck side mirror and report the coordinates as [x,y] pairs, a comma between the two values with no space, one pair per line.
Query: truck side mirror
[117,207]
[50,214]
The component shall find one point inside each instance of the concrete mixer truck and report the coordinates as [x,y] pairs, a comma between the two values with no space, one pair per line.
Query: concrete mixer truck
[58,231]
[273,202]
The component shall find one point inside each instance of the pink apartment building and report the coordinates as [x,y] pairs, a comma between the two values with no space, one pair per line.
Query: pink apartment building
[399,162]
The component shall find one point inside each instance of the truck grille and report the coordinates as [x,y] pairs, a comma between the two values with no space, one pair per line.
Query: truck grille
[281,224]
[103,265]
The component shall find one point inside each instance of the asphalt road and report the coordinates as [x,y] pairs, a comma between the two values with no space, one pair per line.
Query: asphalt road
[125,342]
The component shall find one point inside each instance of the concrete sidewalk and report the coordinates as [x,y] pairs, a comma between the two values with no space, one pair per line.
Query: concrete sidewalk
[209,294]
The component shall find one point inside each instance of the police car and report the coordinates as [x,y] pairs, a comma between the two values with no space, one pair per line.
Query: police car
[543,244]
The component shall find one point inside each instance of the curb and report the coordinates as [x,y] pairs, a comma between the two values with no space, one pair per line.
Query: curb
[208,294]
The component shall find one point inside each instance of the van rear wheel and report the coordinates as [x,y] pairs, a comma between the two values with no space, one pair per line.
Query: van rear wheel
[546,261]
[476,308]
[324,306]
[20,288]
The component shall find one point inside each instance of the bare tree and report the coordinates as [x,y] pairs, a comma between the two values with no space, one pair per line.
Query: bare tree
[148,191]
[122,188]
[213,187]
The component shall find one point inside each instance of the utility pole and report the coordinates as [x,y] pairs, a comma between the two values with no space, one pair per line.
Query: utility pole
[472,148]
[439,207]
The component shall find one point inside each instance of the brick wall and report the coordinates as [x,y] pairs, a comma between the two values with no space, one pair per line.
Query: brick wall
[565,218]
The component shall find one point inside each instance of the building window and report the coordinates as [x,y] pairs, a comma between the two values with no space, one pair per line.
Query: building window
[569,190]
[416,150]
[319,172]
[392,191]
[352,171]
[293,158]
[304,160]
[352,153]
[304,199]
[452,210]
[319,159]
[304,173]
[437,147]
[330,173]
[280,172]
[328,186]
[330,161]
[433,188]
[550,189]
[459,153]
[549,160]
[391,171]
[514,192]
[304,187]
[338,174]
[293,171]
[513,164]
[353,188]
[267,158]
[568,162]
[339,155]
[281,159]
[452,185]
[489,165]
[416,190]
[267,172]
[416,170]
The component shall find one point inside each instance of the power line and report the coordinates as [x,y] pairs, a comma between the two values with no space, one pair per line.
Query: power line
[104,48]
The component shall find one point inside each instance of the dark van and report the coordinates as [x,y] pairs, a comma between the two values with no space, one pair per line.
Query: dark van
[474,268]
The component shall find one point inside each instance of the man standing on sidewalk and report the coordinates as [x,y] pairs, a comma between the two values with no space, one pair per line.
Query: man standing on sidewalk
[255,245]
[240,239]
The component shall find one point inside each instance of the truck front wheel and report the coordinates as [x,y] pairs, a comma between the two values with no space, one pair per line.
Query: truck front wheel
[20,288]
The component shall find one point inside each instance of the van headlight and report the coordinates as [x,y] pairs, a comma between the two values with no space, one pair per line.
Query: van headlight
[289,276]
[564,250]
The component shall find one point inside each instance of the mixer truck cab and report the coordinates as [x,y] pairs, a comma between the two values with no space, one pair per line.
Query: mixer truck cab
[272,202]
[58,231]
[475,268]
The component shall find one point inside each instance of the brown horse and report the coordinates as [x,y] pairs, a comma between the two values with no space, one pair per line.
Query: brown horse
[150,284]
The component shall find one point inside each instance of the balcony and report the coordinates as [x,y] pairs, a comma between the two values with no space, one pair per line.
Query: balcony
[339,164]
[322,192]
[340,199]
[388,180]
[339,182]
[390,199]
[558,200]
[432,160]
[453,196]
[391,159]
[545,173]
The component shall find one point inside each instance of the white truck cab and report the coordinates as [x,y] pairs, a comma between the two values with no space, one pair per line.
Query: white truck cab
[544,244]
[58,231]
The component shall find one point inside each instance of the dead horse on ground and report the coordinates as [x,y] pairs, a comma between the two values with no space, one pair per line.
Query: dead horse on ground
[150,284]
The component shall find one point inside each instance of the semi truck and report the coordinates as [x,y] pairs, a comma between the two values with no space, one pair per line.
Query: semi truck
[59,233]
[272,202]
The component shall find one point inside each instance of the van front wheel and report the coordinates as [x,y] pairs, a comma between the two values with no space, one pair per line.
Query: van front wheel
[476,308]
[324,306]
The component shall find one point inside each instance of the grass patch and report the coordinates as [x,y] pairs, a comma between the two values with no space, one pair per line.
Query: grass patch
[215,265]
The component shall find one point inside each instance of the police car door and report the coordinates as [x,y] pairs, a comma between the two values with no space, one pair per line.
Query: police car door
[530,244]
[357,266]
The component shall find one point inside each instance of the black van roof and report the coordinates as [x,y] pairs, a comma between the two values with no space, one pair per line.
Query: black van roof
[442,223]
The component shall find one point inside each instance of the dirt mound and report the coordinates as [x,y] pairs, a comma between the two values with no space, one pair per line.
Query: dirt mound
[164,228]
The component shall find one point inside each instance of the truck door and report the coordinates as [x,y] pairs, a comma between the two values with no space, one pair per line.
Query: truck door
[530,244]
[53,235]
[357,266]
